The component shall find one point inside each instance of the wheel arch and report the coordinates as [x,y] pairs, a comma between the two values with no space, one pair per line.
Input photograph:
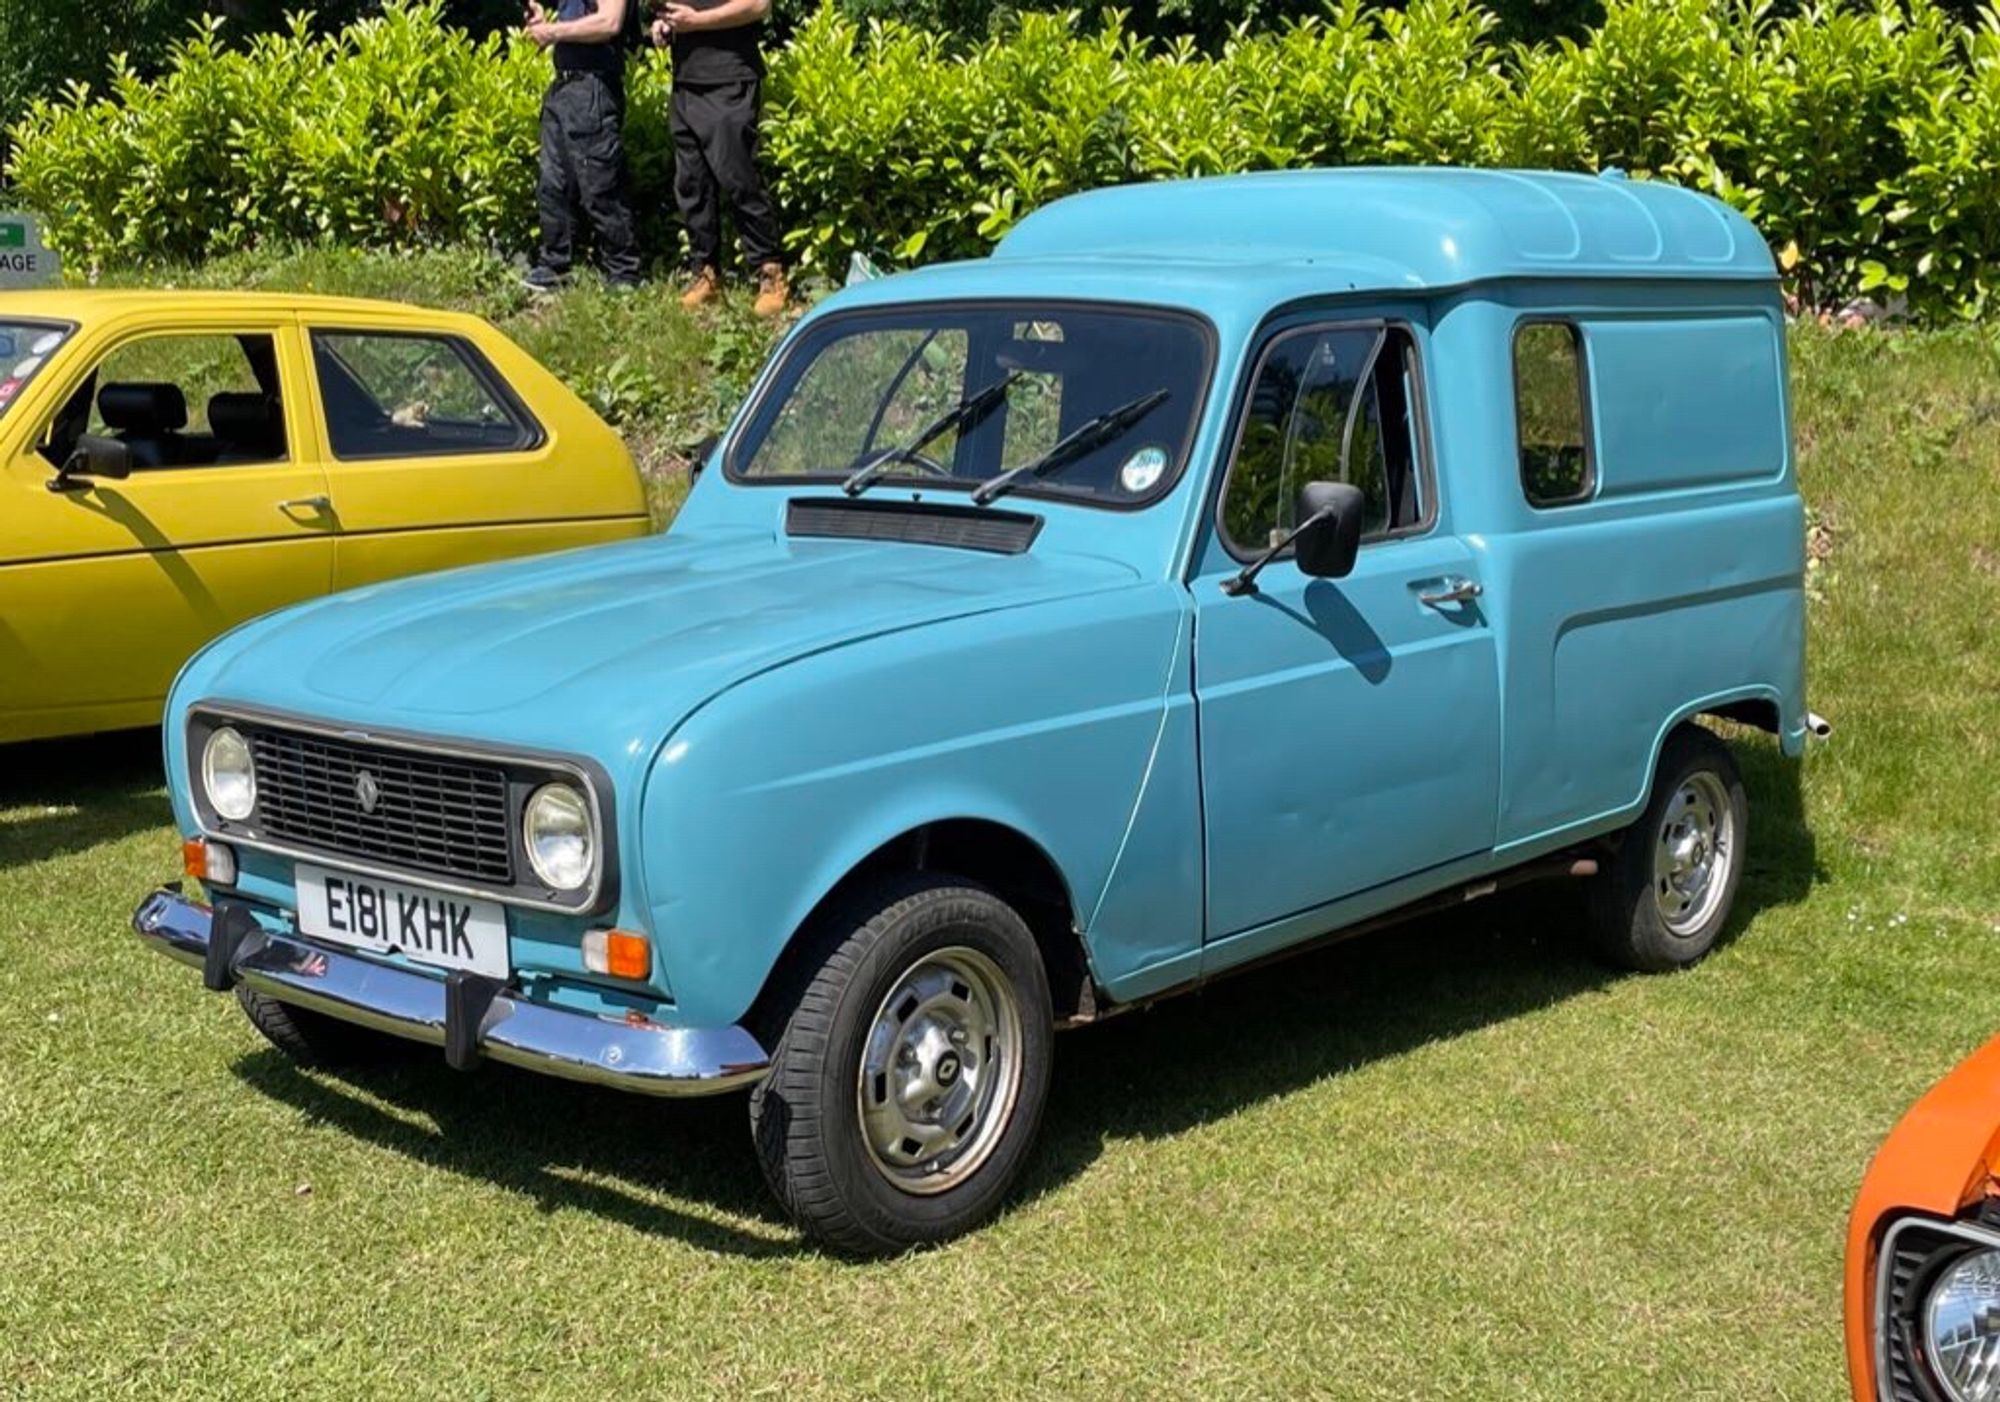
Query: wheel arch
[984,851]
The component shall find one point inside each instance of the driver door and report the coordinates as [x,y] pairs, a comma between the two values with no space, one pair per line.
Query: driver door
[1350,733]
[110,585]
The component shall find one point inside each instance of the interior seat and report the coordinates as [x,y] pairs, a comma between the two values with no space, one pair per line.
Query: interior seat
[248,427]
[146,418]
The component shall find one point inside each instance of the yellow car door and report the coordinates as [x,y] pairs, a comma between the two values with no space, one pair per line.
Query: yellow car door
[446,445]
[108,585]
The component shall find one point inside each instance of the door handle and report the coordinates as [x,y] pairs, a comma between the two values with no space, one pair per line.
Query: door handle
[1457,590]
[317,505]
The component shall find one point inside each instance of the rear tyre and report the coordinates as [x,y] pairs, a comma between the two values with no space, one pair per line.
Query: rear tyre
[314,1039]
[907,1086]
[1660,903]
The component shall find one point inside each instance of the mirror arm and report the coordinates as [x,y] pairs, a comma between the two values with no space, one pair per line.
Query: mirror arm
[1245,581]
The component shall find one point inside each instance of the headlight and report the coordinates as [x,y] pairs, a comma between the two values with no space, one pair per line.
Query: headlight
[556,830]
[1962,1327]
[228,774]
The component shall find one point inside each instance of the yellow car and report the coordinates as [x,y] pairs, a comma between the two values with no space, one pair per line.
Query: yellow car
[175,463]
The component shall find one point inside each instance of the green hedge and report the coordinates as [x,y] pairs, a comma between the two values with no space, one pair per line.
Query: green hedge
[1864,139]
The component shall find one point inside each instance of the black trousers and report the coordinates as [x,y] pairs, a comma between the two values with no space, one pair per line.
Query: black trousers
[583,178]
[715,155]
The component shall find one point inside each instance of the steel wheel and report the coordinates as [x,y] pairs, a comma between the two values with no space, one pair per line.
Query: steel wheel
[1693,852]
[940,1070]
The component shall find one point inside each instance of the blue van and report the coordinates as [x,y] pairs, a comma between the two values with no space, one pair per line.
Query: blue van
[1218,566]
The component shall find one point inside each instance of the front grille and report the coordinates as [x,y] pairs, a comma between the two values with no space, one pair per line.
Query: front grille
[1917,1253]
[1912,1248]
[433,814]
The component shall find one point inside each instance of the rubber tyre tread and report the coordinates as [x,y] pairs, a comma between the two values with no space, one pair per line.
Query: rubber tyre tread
[803,1118]
[314,1039]
[1624,922]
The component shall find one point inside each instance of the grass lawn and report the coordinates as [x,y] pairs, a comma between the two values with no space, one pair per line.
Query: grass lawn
[1451,1161]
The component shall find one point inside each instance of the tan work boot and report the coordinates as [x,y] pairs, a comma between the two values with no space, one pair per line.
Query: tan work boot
[705,288]
[773,292]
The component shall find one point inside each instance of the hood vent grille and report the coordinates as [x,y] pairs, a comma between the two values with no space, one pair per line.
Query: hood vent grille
[913,523]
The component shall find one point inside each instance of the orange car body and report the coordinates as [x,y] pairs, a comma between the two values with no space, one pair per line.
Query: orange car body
[1940,1162]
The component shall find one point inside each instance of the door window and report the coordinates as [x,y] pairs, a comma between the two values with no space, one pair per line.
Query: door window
[180,401]
[1551,425]
[1333,404]
[394,395]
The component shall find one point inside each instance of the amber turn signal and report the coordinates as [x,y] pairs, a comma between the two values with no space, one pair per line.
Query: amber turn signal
[618,953]
[208,861]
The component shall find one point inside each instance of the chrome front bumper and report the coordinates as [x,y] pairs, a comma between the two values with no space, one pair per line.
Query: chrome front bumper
[631,1054]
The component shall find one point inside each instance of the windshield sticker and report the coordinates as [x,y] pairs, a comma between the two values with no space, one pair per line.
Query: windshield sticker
[8,389]
[48,342]
[1143,469]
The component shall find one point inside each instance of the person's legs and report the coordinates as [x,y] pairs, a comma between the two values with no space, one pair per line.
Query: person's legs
[555,195]
[603,187]
[695,194]
[729,141]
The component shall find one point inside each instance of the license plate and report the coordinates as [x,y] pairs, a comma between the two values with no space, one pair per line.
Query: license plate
[385,917]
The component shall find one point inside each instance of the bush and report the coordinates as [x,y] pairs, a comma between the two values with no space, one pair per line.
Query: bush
[1861,136]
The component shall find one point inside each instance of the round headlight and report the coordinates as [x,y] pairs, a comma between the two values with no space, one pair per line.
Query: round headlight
[1962,1327]
[228,775]
[556,831]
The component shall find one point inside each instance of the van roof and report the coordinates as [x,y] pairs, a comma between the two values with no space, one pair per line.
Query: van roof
[1407,228]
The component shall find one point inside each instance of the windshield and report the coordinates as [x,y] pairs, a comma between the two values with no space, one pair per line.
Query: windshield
[25,347]
[866,389]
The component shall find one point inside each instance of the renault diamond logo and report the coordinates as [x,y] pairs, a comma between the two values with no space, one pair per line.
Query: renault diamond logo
[367,792]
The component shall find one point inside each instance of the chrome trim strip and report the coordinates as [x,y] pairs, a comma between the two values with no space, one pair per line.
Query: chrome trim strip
[592,897]
[1885,1257]
[647,1057]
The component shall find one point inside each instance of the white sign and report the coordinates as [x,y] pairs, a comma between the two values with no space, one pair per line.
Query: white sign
[24,260]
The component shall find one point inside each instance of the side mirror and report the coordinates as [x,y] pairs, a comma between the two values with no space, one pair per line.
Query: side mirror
[697,456]
[1329,534]
[93,457]
[1326,539]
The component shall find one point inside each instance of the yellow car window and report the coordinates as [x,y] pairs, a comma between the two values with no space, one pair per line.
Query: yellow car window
[25,347]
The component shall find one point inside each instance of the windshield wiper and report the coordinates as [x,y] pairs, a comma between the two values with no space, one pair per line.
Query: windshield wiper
[1084,439]
[968,410]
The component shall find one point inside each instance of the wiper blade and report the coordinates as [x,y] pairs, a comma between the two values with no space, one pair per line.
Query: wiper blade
[1086,438]
[970,409]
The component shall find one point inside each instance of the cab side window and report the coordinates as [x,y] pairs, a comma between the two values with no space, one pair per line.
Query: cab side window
[391,394]
[1328,405]
[1552,425]
[180,401]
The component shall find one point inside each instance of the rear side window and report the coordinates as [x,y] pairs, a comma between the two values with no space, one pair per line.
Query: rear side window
[1552,426]
[392,395]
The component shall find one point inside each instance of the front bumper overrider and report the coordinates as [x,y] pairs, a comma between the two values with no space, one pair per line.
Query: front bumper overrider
[470,1017]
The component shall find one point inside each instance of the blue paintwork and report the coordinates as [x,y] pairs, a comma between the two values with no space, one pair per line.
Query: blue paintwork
[1213,778]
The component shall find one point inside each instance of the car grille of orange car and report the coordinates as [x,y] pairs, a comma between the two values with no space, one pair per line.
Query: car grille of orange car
[418,811]
[1918,1254]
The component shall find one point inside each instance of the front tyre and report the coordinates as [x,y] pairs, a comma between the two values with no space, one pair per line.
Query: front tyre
[907,1086]
[314,1039]
[1663,899]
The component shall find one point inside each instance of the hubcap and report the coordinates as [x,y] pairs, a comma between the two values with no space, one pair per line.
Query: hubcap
[940,1070]
[1694,853]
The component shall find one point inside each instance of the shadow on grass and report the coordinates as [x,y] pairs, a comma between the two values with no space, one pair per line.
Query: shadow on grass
[1150,1074]
[73,795]
[563,1145]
